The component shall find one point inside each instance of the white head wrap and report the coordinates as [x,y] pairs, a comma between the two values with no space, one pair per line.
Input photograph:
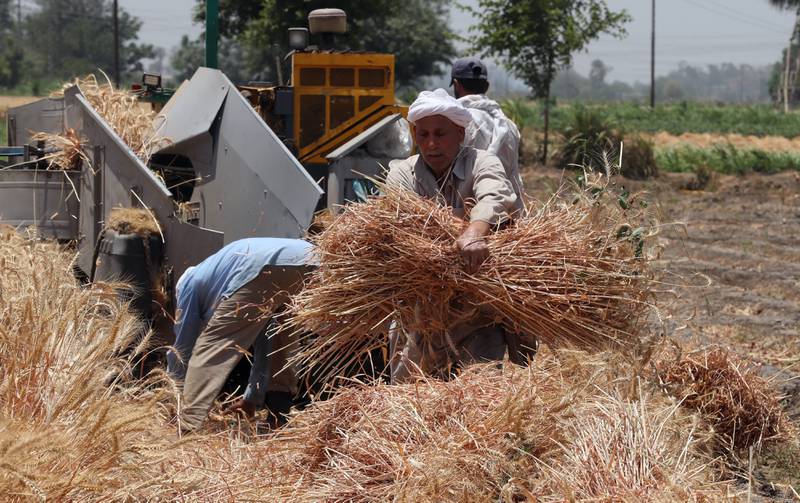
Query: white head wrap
[438,102]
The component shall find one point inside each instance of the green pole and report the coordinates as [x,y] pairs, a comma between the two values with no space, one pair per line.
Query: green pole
[212,33]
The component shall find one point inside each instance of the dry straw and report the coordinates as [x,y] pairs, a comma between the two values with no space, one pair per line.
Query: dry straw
[133,221]
[122,111]
[68,149]
[571,273]
[74,427]
[557,430]
[744,410]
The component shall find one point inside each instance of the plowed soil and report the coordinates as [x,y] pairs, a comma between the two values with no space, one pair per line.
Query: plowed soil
[732,256]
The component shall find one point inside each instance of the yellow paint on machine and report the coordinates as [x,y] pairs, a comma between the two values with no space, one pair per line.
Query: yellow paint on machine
[337,96]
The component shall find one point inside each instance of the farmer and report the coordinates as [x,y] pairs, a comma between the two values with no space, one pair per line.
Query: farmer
[490,129]
[225,305]
[474,183]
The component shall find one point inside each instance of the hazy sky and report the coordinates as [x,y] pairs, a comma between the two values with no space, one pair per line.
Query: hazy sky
[699,32]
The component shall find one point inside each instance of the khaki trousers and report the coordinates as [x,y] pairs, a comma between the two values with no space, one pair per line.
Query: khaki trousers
[466,342]
[237,322]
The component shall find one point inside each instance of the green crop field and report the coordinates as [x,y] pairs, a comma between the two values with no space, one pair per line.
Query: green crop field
[757,120]
[726,159]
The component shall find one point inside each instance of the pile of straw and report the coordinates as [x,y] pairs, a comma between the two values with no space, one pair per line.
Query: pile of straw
[742,407]
[569,273]
[73,426]
[556,430]
[121,110]
[133,221]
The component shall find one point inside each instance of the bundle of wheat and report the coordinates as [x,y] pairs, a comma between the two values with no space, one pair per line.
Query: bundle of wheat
[121,110]
[741,406]
[67,149]
[73,425]
[571,273]
[62,435]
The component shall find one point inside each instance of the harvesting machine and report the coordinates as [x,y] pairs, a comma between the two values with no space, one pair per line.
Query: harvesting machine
[239,161]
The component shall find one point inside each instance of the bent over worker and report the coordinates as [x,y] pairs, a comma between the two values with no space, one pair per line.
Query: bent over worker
[224,306]
[475,185]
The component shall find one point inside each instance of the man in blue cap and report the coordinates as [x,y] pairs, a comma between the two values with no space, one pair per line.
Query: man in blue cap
[225,305]
[490,129]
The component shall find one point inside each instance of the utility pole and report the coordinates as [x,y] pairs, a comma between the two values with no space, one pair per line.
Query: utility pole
[653,58]
[212,33]
[19,13]
[787,64]
[116,45]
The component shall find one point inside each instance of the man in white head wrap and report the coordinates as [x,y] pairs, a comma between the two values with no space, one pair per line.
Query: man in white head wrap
[474,183]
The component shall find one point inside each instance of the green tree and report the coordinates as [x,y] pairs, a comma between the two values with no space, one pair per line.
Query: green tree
[785,4]
[11,49]
[536,38]
[190,55]
[783,69]
[415,31]
[68,38]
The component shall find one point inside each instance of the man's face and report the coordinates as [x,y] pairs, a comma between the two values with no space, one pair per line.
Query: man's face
[439,140]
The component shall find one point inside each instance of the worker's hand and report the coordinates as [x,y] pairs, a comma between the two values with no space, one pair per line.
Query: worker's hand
[472,246]
[243,406]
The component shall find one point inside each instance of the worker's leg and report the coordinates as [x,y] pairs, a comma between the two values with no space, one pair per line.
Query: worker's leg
[413,354]
[237,322]
[521,347]
[481,344]
[281,386]
[405,354]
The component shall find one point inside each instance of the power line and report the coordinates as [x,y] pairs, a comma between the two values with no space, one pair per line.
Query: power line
[730,15]
[745,14]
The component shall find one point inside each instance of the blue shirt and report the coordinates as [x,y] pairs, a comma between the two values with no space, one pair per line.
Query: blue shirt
[201,288]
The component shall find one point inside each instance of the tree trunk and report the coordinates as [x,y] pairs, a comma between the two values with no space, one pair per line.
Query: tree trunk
[786,77]
[546,124]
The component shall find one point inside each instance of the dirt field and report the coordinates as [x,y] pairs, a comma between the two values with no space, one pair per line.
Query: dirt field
[733,256]
[7,102]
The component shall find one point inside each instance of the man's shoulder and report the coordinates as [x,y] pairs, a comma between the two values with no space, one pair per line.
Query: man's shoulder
[404,164]
[402,171]
[484,156]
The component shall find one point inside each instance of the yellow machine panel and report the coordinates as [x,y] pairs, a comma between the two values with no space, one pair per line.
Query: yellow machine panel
[337,96]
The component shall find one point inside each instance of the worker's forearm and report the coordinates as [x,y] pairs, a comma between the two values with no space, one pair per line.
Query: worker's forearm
[477,229]
[472,246]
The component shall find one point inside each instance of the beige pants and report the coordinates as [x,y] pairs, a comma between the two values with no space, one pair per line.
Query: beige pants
[467,342]
[237,322]
[464,343]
